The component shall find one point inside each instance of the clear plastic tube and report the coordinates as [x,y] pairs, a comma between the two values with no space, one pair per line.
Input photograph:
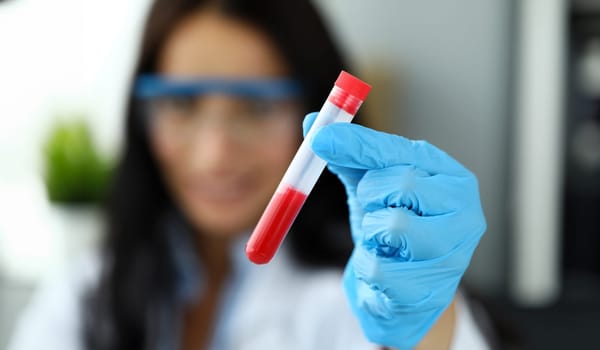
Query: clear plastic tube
[341,105]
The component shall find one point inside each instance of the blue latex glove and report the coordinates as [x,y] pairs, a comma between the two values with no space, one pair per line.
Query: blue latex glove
[416,219]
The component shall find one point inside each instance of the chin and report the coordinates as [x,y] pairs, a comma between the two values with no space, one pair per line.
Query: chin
[223,225]
[224,218]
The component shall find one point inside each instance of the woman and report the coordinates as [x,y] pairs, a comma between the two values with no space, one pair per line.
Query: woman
[213,122]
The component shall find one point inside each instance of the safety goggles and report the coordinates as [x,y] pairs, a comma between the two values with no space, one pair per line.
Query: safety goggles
[149,86]
[176,107]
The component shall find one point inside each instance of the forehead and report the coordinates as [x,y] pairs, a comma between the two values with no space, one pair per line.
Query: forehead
[211,44]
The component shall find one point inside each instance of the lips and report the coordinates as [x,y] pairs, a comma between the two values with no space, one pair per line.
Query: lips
[219,191]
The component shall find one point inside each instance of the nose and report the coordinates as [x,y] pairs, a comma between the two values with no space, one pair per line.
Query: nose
[213,145]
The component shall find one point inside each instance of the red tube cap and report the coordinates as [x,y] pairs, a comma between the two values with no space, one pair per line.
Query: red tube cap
[353,85]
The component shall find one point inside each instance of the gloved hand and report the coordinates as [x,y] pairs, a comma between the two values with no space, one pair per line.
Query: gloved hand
[416,218]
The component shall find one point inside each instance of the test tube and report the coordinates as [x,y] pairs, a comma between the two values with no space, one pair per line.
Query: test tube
[345,98]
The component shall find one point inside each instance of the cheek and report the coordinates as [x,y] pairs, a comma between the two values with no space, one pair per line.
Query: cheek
[166,154]
[278,154]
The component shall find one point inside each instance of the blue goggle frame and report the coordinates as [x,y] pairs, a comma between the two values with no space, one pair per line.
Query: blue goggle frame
[153,85]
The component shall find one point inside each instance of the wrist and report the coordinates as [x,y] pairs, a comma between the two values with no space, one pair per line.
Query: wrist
[441,334]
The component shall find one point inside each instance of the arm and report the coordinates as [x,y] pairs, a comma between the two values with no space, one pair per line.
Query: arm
[441,334]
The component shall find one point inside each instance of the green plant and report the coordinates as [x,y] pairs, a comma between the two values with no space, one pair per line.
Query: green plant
[75,172]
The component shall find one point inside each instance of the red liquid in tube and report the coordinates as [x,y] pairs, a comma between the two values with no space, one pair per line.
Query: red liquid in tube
[274,224]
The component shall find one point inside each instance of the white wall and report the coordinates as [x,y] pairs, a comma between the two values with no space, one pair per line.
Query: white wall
[59,56]
[450,67]
[55,56]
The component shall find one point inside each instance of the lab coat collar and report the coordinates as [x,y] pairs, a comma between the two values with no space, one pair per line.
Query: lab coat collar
[188,269]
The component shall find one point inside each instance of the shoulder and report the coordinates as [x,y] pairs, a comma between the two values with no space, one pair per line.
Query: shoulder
[51,320]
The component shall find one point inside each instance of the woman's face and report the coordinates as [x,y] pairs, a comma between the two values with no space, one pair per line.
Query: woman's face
[223,168]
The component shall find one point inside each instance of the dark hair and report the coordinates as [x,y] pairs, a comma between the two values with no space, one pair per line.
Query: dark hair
[137,269]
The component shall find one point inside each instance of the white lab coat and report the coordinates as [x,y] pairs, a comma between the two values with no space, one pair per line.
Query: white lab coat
[306,310]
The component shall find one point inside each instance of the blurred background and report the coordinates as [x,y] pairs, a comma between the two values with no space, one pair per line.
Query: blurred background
[511,88]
